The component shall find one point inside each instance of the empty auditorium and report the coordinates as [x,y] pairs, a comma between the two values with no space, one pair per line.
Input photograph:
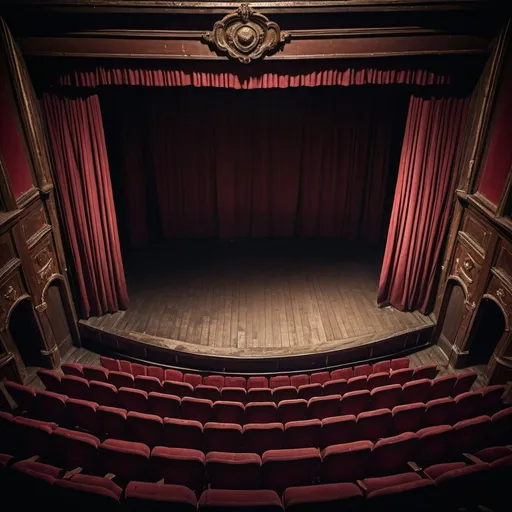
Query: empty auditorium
[256,257]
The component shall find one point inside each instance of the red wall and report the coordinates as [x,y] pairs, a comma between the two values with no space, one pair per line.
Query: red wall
[12,148]
[498,160]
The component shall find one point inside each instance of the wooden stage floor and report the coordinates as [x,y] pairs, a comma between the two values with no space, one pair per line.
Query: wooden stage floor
[256,298]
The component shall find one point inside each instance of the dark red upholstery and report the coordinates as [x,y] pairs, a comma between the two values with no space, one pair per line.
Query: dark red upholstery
[179,466]
[261,412]
[82,413]
[221,500]
[177,388]
[132,399]
[228,412]
[103,393]
[345,462]
[207,392]
[259,395]
[197,409]
[319,378]
[235,382]
[321,407]
[376,380]
[257,382]
[260,437]
[467,405]
[442,387]
[279,381]
[400,363]
[416,391]
[464,383]
[299,380]
[391,455]
[434,444]
[214,380]
[163,405]
[233,470]
[145,428]
[33,436]
[50,378]
[234,394]
[439,412]
[157,372]
[24,396]
[121,379]
[471,434]
[302,434]
[192,379]
[493,453]
[408,418]
[148,496]
[426,371]
[357,383]
[437,470]
[284,393]
[372,425]
[125,366]
[71,449]
[112,421]
[82,497]
[401,376]
[370,485]
[139,369]
[127,460]
[110,364]
[420,496]
[51,406]
[308,391]
[180,433]
[342,373]
[95,373]
[72,369]
[382,367]
[338,430]
[292,410]
[148,384]
[222,437]
[335,387]
[386,397]
[355,402]
[288,468]
[75,387]
[325,497]
[501,426]
[173,375]
[363,370]
[492,399]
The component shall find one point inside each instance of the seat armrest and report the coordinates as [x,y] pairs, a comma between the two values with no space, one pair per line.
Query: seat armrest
[70,474]
[414,467]
[471,458]
[363,487]
[110,476]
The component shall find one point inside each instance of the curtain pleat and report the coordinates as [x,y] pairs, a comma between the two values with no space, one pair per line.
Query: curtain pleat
[421,211]
[83,179]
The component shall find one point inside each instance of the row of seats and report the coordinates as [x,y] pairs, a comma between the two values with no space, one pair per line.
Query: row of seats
[258,381]
[52,406]
[445,488]
[79,387]
[275,469]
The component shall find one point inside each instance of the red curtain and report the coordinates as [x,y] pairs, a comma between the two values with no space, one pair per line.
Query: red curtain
[256,164]
[83,177]
[420,216]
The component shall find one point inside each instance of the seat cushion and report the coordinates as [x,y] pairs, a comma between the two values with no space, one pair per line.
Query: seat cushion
[374,484]
[309,497]
[437,470]
[145,491]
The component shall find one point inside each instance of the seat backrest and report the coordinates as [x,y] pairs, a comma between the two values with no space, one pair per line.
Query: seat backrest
[155,496]
[260,437]
[257,382]
[278,381]
[345,462]
[302,434]
[221,500]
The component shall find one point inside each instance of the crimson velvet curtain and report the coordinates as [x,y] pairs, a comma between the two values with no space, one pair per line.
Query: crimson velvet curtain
[421,210]
[83,177]
[312,163]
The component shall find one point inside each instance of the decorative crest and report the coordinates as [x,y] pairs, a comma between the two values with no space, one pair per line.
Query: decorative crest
[246,35]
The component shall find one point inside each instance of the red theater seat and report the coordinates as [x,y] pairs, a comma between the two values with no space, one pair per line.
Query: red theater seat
[97,494]
[50,378]
[321,407]
[335,387]
[292,410]
[400,363]
[71,449]
[302,434]
[426,371]
[437,470]
[279,381]
[82,413]
[400,376]
[183,433]
[420,496]
[377,380]
[147,496]
[471,435]
[342,374]
[173,375]
[179,466]
[416,391]
[103,393]
[33,436]
[127,460]
[464,383]
[467,405]
[125,366]
[345,462]
[157,372]
[148,384]
[370,485]
[176,388]
[193,379]
[491,399]
[408,418]
[434,444]
[284,393]
[442,387]
[144,428]
[493,453]
[95,373]
[72,369]
[207,392]
[221,500]
[112,421]
[75,387]
[363,370]
[196,409]
[222,437]
[110,364]
[326,498]
[259,395]
[319,378]
[288,468]
[308,391]
[228,412]
[382,366]
[235,382]
[338,430]
[439,412]
[354,402]
[257,382]
[163,405]
[386,397]
[121,379]
[260,437]
[234,394]
[138,369]
[261,412]
[299,380]
[501,426]
[391,455]
[51,406]
[214,380]
[372,425]
[132,399]
[233,470]
[24,396]
[357,383]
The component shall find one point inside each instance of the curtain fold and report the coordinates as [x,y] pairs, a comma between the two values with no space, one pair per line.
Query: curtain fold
[310,163]
[422,206]
[83,179]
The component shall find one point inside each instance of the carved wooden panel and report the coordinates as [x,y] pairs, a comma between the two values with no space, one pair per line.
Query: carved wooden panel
[467,265]
[33,223]
[11,289]
[502,293]
[45,261]
[504,261]
[7,251]
[477,232]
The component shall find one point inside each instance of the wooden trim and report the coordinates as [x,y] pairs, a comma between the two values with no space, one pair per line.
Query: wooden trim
[8,199]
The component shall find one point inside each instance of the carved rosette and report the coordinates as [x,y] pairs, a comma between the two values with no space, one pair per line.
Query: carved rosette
[246,35]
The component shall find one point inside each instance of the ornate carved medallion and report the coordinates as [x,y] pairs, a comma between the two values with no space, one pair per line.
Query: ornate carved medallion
[246,35]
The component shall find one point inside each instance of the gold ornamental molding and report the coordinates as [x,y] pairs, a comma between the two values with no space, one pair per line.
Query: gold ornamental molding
[246,35]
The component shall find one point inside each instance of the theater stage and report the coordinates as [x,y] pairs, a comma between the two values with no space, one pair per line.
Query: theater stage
[256,306]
